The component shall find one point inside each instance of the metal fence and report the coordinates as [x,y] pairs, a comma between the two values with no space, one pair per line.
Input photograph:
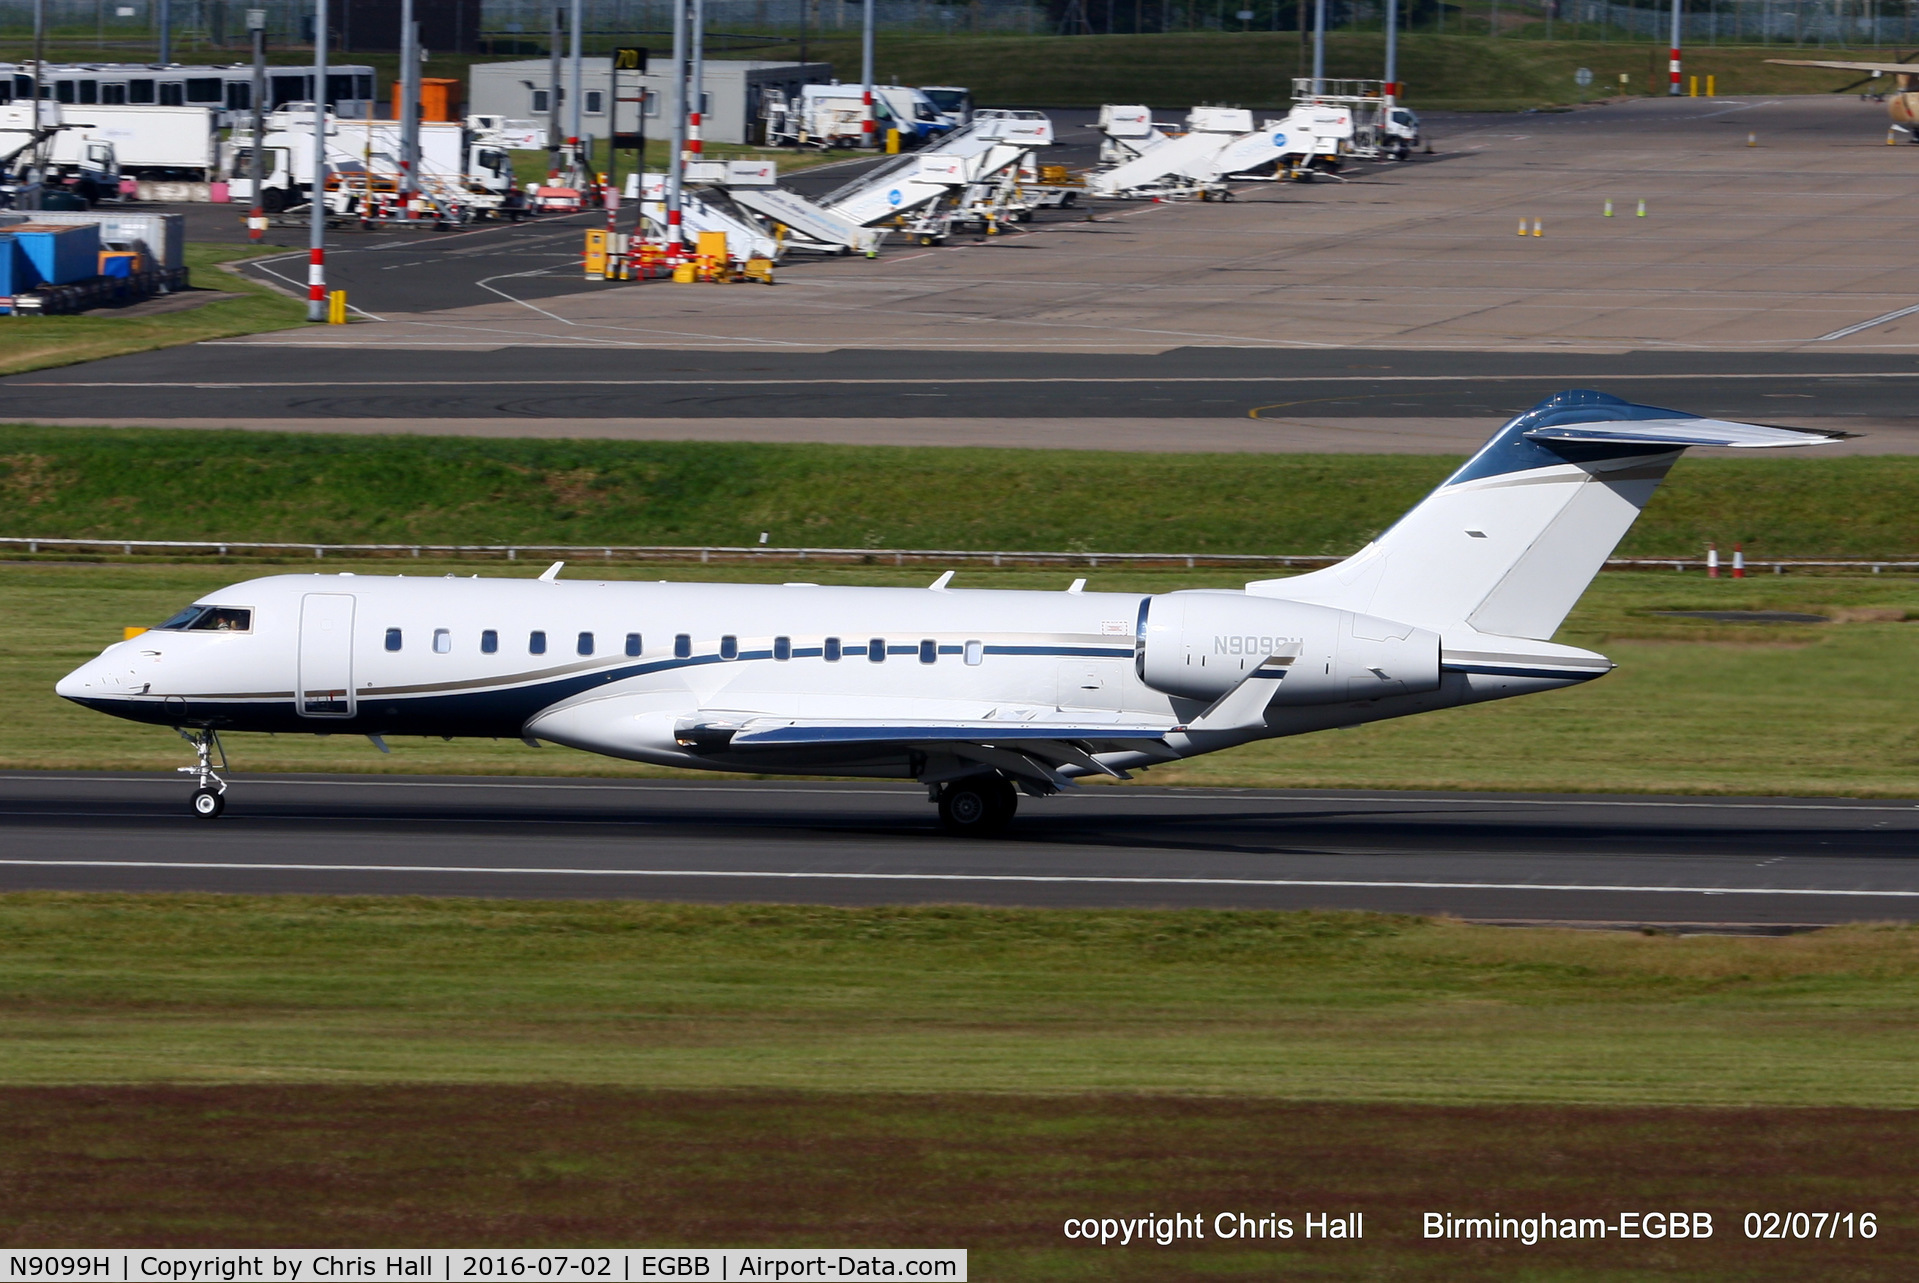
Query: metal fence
[844,556]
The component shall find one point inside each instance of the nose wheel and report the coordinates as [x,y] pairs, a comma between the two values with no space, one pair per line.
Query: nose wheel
[210,797]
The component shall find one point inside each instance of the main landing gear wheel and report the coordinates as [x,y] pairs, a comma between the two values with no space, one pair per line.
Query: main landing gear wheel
[208,804]
[981,806]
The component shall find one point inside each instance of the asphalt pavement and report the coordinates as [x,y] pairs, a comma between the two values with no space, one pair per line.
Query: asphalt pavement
[1192,382]
[1765,863]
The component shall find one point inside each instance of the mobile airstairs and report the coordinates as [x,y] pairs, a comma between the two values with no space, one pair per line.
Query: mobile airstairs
[920,195]
[1220,144]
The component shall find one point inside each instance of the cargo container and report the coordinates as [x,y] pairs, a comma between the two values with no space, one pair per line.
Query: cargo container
[61,255]
[16,270]
[163,235]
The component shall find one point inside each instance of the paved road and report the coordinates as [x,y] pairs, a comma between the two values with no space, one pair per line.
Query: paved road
[1186,383]
[1498,857]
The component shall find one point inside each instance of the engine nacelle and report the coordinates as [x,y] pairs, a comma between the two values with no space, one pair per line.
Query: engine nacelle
[1202,644]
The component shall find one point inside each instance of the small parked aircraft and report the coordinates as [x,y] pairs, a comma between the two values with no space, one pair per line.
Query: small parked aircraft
[979,695]
[1902,105]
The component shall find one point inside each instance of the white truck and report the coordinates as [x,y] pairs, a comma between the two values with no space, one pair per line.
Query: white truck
[463,170]
[829,116]
[91,148]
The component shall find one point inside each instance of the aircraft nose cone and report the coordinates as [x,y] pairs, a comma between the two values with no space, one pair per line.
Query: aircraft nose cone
[79,683]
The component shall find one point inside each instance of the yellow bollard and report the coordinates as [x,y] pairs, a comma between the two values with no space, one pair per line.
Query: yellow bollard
[1752,139]
[1642,208]
[1522,227]
[892,142]
[336,308]
[1692,90]
[1539,228]
[1608,210]
[1712,87]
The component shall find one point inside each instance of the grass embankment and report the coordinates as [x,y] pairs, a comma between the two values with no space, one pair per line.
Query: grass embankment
[39,342]
[1695,706]
[159,484]
[1256,69]
[1320,1006]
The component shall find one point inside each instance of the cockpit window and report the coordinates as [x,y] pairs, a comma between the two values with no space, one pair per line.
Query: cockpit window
[182,620]
[222,619]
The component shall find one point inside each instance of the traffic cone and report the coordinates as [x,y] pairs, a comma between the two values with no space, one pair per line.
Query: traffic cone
[1712,561]
[1752,140]
[1608,210]
[1522,227]
[1892,138]
[1539,228]
[1642,207]
[1739,561]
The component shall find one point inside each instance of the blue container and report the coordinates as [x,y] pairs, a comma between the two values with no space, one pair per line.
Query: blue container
[61,255]
[16,269]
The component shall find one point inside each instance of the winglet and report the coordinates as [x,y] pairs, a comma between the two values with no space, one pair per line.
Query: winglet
[551,573]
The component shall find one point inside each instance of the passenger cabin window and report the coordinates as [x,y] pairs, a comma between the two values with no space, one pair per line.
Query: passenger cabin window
[929,651]
[442,641]
[831,650]
[729,647]
[239,95]
[585,644]
[63,91]
[393,639]
[633,646]
[536,643]
[782,648]
[89,91]
[113,95]
[489,642]
[975,652]
[683,647]
[173,94]
[205,89]
[876,650]
[140,93]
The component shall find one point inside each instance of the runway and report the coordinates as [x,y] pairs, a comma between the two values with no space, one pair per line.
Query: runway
[1495,857]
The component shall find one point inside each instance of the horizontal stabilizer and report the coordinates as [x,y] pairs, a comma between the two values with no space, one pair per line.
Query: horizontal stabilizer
[1686,432]
[786,734]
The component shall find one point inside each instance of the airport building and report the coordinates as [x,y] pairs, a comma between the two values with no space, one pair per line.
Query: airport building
[734,92]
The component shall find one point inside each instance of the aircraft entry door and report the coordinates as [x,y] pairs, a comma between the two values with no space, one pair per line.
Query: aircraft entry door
[326,656]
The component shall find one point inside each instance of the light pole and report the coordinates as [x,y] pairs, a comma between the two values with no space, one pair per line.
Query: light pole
[676,145]
[696,82]
[316,251]
[1673,89]
[869,129]
[1319,46]
[553,95]
[166,33]
[409,101]
[579,90]
[256,162]
[1390,90]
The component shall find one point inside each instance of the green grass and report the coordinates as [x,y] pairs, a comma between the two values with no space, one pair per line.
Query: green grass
[1693,707]
[40,342]
[159,484]
[1255,69]
[1323,1006]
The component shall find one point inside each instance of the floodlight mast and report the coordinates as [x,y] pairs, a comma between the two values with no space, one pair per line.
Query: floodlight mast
[1673,65]
[554,92]
[316,251]
[256,162]
[1390,90]
[579,93]
[696,84]
[1319,46]
[409,101]
[869,128]
[676,145]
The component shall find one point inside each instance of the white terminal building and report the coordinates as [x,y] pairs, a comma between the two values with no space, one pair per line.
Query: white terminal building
[734,90]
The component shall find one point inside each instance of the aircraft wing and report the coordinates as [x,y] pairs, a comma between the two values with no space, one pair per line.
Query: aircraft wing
[1876,68]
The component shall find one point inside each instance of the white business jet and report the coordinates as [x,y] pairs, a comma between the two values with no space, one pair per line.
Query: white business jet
[979,695]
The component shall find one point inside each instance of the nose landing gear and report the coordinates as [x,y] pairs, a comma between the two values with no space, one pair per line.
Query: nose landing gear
[209,799]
